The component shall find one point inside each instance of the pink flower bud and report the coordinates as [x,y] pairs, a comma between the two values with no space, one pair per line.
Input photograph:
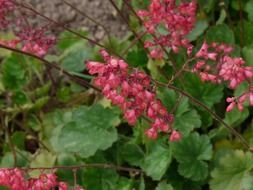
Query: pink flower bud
[251,98]
[151,133]
[175,136]
[130,116]
[231,106]
[240,107]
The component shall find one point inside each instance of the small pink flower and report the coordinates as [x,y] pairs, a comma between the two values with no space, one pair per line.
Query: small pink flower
[231,106]
[152,133]
[175,136]
[63,186]
[130,116]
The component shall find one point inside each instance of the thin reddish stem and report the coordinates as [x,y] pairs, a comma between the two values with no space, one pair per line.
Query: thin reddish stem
[93,165]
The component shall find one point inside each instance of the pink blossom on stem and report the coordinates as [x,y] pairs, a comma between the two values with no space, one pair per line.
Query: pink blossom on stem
[175,136]
[232,70]
[16,179]
[13,179]
[29,39]
[177,20]
[214,64]
[35,40]
[6,6]
[131,90]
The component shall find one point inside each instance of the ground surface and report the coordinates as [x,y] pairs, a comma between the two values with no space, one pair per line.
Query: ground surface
[100,10]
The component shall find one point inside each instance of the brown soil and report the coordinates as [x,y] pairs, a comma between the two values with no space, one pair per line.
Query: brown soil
[100,10]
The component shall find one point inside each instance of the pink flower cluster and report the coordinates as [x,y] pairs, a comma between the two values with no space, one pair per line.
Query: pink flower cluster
[34,40]
[214,64]
[176,20]
[15,179]
[28,39]
[6,6]
[131,90]
[239,101]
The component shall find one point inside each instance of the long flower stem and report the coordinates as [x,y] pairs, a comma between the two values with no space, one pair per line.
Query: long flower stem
[132,44]
[93,165]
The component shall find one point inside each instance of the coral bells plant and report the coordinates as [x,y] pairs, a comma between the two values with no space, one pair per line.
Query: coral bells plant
[169,25]
[214,64]
[27,38]
[6,7]
[172,72]
[132,91]
[16,179]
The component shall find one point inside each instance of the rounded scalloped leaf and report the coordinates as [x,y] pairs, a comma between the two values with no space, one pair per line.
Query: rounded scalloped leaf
[191,153]
[207,93]
[87,130]
[157,161]
[186,118]
[233,172]
[164,186]
[220,33]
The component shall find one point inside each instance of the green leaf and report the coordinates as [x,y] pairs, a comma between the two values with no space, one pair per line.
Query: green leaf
[206,5]
[137,58]
[20,98]
[140,4]
[86,130]
[18,139]
[164,186]
[67,39]
[153,66]
[191,153]
[246,33]
[67,175]
[119,3]
[198,30]
[132,153]
[179,182]
[235,117]
[99,178]
[13,72]
[42,159]
[220,33]
[186,118]
[249,9]
[8,160]
[247,53]
[117,45]
[233,172]
[4,188]
[157,161]
[39,103]
[124,184]
[142,183]
[205,92]
[74,57]
[64,93]
[42,90]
